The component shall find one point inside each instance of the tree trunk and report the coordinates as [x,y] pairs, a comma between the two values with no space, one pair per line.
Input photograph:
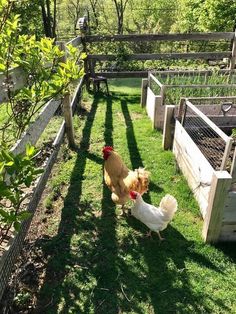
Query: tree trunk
[120,9]
[49,21]
[93,4]
[46,24]
[54,25]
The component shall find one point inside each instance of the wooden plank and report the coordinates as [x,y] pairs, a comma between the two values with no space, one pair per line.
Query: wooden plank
[227,152]
[221,182]
[154,109]
[164,56]
[68,120]
[67,111]
[212,98]
[158,113]
[233,168]
[34,131]
[190,72]
[200,86]
[224,121]
[194,166]
[208,121]
[161,37]
[233,54]
[123,74]
[167,139]
[18,79]
[162,94]
[228,233]
[144,92]
[181,108]
[155,79]
[75,41]
[229,213]
[214,111]
[150,104]
[77,94]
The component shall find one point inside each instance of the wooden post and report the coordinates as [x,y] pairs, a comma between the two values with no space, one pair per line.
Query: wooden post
[144,92]
[68,120]
[233,54]
[233,168]
[181,108]
[167,139]
[67,110]
[163,88]
[220,185]
[227,151]
[157,113]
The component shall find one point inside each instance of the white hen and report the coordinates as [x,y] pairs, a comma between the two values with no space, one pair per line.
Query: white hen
[155,218]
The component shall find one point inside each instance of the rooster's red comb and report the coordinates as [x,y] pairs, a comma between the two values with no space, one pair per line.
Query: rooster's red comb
[133,195]
[107,149]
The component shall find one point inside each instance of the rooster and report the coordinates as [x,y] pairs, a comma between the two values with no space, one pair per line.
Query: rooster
[155,218]
[120,179]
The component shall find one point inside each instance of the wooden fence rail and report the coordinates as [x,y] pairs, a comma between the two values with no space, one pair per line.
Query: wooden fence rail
[160,37]
[164,56]
[219,36]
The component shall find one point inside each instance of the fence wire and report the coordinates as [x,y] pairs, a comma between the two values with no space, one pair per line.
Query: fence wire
[208,141]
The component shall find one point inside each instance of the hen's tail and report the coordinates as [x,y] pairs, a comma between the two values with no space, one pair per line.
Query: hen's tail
[169,205]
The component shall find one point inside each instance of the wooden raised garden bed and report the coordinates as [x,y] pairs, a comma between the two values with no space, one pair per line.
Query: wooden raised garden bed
[207,158]
[167,87]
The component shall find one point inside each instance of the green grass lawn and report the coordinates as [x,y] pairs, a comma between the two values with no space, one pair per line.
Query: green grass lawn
[97,263]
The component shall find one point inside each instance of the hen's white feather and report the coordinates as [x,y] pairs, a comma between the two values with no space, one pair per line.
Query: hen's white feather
[155,218]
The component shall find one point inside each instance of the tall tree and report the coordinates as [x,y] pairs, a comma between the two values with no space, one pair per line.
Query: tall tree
[74,11]
[49,19]
[120,6]
[95,11]
[218,15]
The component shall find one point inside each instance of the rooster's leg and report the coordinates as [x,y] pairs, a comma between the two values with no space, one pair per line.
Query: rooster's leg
[160,237]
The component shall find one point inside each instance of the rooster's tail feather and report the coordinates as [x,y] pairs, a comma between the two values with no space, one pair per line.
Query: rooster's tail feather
[169,204]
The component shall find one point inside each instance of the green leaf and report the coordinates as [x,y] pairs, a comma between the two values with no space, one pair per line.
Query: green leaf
[4,214]
[6,155]
[9,163]
[38,171]
[30,150]
[24,215]
[28,180]
[2,67]
[16,226]
[83,56]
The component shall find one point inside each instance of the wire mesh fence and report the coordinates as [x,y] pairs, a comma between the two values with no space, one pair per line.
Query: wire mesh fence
[207,139]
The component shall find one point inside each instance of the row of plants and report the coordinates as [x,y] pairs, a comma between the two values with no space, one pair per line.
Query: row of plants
[48,73]
[214,77]
[174,93]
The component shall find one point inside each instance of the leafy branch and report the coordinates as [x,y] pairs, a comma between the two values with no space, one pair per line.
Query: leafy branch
[17,172]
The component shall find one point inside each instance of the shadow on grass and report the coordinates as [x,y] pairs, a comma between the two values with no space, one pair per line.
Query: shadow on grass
[165,283]
[56,294]
[106,272]
[228,248]
[135,156]
[158,284]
